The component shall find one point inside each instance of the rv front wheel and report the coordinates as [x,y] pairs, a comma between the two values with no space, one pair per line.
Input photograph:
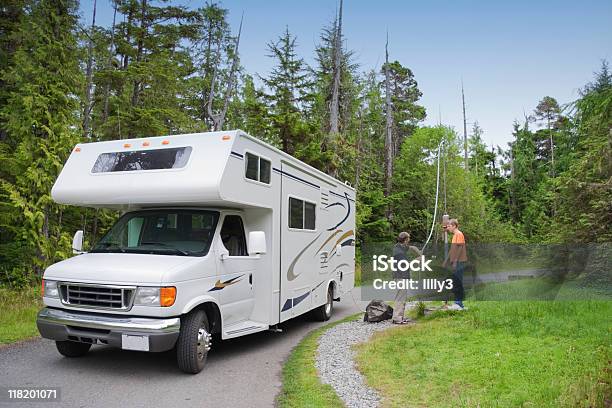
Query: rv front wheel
[193,343]
[324,312]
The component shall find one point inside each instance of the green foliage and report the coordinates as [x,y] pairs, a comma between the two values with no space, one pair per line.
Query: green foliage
[404,96]
[19,310]
[288,96]
[153,71]
[585,211]
[40,117]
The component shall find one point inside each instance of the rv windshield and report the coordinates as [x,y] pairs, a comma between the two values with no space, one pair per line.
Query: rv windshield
[163,232]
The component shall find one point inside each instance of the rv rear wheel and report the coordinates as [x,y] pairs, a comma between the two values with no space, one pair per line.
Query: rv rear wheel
[324,312]
[194,342]
[72,348]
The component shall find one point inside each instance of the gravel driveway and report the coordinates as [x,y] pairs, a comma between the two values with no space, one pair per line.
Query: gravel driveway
[242,372]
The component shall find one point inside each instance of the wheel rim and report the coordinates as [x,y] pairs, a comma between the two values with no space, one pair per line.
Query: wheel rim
[204,342]
[328,305]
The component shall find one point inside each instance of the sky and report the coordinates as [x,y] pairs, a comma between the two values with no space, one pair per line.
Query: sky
[509,54]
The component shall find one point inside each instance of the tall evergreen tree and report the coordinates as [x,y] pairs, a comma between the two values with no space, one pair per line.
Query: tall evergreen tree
[145,88]
[288,94]
[335,92]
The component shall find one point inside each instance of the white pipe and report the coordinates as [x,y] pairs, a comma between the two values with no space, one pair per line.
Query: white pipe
[433,221]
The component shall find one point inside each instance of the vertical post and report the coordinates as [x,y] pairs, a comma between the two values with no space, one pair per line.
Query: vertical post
[445,219]
[465,155]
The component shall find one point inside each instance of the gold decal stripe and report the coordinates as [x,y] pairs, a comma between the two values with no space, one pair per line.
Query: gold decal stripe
[329,239]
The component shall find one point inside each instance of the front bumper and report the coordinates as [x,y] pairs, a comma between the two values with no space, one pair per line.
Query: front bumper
[62,325]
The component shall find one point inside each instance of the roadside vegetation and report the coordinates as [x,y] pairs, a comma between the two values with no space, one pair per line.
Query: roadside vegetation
[498,353]
[18,317]
[301,384]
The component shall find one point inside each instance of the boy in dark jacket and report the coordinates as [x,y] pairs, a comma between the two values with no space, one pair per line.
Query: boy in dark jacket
[400,252]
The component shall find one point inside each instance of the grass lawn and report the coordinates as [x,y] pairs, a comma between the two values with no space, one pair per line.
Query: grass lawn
[301,384]
[496,354]
[18,316]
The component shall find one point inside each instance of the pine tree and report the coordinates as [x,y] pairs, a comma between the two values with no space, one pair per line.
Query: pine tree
[404,97]
[288,93]
[335,88]
[145,88]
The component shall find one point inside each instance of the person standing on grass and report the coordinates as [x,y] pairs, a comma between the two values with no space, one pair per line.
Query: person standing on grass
[400,252]
[458,258]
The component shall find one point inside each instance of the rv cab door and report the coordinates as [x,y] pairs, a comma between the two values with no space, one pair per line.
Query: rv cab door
[236,271]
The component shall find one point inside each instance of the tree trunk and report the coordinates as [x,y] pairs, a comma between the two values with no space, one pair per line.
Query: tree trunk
[139,50]
[358,151]
[334,126]
[88,76]
[389,145]
[230,86]
[128,33]
[109,65]
[552,150]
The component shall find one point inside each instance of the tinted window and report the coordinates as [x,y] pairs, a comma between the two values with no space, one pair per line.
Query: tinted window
[232,236]
[309,216]
[264,170]
[257,169]
[296,213]
[157,159]
[252,166]
[302,214]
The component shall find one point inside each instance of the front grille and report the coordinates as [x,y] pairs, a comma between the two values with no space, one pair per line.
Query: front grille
[97,296]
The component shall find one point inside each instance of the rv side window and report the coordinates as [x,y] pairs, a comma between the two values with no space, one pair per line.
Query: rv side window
[154,159]
[302,214]
[232,236]
[257,169]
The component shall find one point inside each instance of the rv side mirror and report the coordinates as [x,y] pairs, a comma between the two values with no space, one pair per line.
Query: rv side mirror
[77,242]
[257,243]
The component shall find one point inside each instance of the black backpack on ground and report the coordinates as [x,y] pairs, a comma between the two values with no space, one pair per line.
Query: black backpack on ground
[377,311]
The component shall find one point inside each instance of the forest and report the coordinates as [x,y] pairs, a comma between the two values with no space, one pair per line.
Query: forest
[162,69]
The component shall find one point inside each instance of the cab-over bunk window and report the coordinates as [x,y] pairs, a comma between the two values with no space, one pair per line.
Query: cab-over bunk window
[154,159]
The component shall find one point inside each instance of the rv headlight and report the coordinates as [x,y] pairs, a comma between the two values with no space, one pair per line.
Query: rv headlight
[49,288]
[151,296]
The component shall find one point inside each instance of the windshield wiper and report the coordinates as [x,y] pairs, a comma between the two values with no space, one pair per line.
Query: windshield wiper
[167,248]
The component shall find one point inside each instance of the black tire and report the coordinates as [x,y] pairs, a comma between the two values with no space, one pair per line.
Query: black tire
[193,343]
[72,348]
[324,312]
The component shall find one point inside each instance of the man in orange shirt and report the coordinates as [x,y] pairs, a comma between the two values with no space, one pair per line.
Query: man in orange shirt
[458,258]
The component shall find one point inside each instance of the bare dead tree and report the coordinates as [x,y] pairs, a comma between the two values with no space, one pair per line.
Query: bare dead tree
[334,108]
[389,143]
[109,64]
[389,146]
[139,51]
[358,148]
[219,118]
[89,77]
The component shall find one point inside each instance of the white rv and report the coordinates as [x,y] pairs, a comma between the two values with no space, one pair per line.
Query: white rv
[220,233]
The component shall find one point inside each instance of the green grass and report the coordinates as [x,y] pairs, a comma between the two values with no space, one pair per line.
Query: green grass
[301,384]
[496,354]
[18,317]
